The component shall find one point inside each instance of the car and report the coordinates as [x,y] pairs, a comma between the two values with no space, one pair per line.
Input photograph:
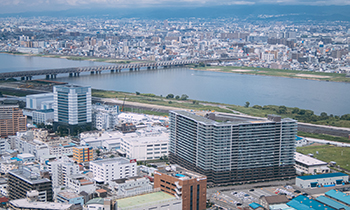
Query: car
[297,191]
[251,190]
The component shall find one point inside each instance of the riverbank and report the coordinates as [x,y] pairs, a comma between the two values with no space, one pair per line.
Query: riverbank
[80,58]
[322,76]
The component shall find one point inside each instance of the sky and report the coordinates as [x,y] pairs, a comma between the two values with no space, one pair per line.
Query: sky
[17,6]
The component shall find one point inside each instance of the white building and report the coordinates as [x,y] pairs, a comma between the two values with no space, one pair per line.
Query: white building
[133,118]
[105,117]
[96,139]
[35,101]
[146,145]
[79,183]
[60,169]
[26,157]
[72,104]
[309,165]
[114,168]
[321,180]
[60,150]
[26,144]
[43,116]
[131,186]
[4,145]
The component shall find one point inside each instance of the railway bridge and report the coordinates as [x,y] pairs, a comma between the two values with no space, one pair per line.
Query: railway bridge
[51,73]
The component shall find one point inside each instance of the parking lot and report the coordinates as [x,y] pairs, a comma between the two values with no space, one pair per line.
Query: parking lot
[234,199]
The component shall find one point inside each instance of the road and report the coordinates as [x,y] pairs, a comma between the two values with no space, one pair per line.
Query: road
[321,141]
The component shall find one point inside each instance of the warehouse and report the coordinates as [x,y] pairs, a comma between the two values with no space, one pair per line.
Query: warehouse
[321,180]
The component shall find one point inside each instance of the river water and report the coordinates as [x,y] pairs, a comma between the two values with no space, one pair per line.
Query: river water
[231,88]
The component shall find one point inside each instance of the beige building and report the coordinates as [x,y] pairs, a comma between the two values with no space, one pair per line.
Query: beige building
[12,120]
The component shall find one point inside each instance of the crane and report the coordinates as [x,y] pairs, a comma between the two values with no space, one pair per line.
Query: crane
[123,104]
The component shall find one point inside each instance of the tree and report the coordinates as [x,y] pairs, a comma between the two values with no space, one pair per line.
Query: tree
[257,107]
[170,95]
[323,116]
[177,97]
[282,110]
[247,104]
[184,97]
[137,93]
[98,152]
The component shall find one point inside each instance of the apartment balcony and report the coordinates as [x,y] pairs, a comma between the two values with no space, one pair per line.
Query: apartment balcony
[178,191]
[177,185]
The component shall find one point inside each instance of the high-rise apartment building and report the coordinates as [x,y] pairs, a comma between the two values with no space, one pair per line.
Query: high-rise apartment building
[60,169]
[21,181]
[72,105]
[12,120]
[238,150]
[83,154]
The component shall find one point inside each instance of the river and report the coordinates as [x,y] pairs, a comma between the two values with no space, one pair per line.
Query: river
[230,88]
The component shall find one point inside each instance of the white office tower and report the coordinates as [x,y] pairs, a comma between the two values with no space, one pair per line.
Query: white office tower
[72,104]
[60,169]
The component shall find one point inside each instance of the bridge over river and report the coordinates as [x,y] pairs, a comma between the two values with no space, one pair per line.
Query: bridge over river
[27,75]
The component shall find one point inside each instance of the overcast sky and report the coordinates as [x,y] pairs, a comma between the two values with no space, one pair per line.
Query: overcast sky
[13,6]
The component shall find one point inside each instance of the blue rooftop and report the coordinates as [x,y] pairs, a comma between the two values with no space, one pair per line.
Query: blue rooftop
[332,203]
[304,203]
[340,196]
[321,176]
[255,205]
[180,175]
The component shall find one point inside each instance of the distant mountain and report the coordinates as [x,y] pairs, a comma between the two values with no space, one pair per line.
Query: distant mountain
[248,12]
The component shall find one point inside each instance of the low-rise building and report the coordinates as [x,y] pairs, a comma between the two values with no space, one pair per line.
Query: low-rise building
[70,197]
[44,116]
[99,203]
[309,165]
[130,186]
[113,168]
[79,183]
[185,185]
[267,201]
[321,180]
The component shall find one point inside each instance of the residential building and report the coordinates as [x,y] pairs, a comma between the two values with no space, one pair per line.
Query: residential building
[25,143]
[21,181]
[156,200]
[114,168]
[70,197]
[12,120]
[305,164]
[96,139]
[321,180]
[26,157]
[4,145]
[188,186]
[83,154]
[79,183]
[72,106]
[130,186]
[105,117]
[60,169]
[235,150]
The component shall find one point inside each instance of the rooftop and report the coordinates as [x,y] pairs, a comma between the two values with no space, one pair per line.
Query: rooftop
[117,160]
[180,173]
[155,197]
[307,160]
[68,195]
[321,176]
[340,196]
[232,119]
[24,203]
[332,203]
[302,202]
[30,177]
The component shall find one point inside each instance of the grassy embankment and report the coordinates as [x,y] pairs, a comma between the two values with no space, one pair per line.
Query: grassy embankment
[260,111]
[328,153]
[332,77]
